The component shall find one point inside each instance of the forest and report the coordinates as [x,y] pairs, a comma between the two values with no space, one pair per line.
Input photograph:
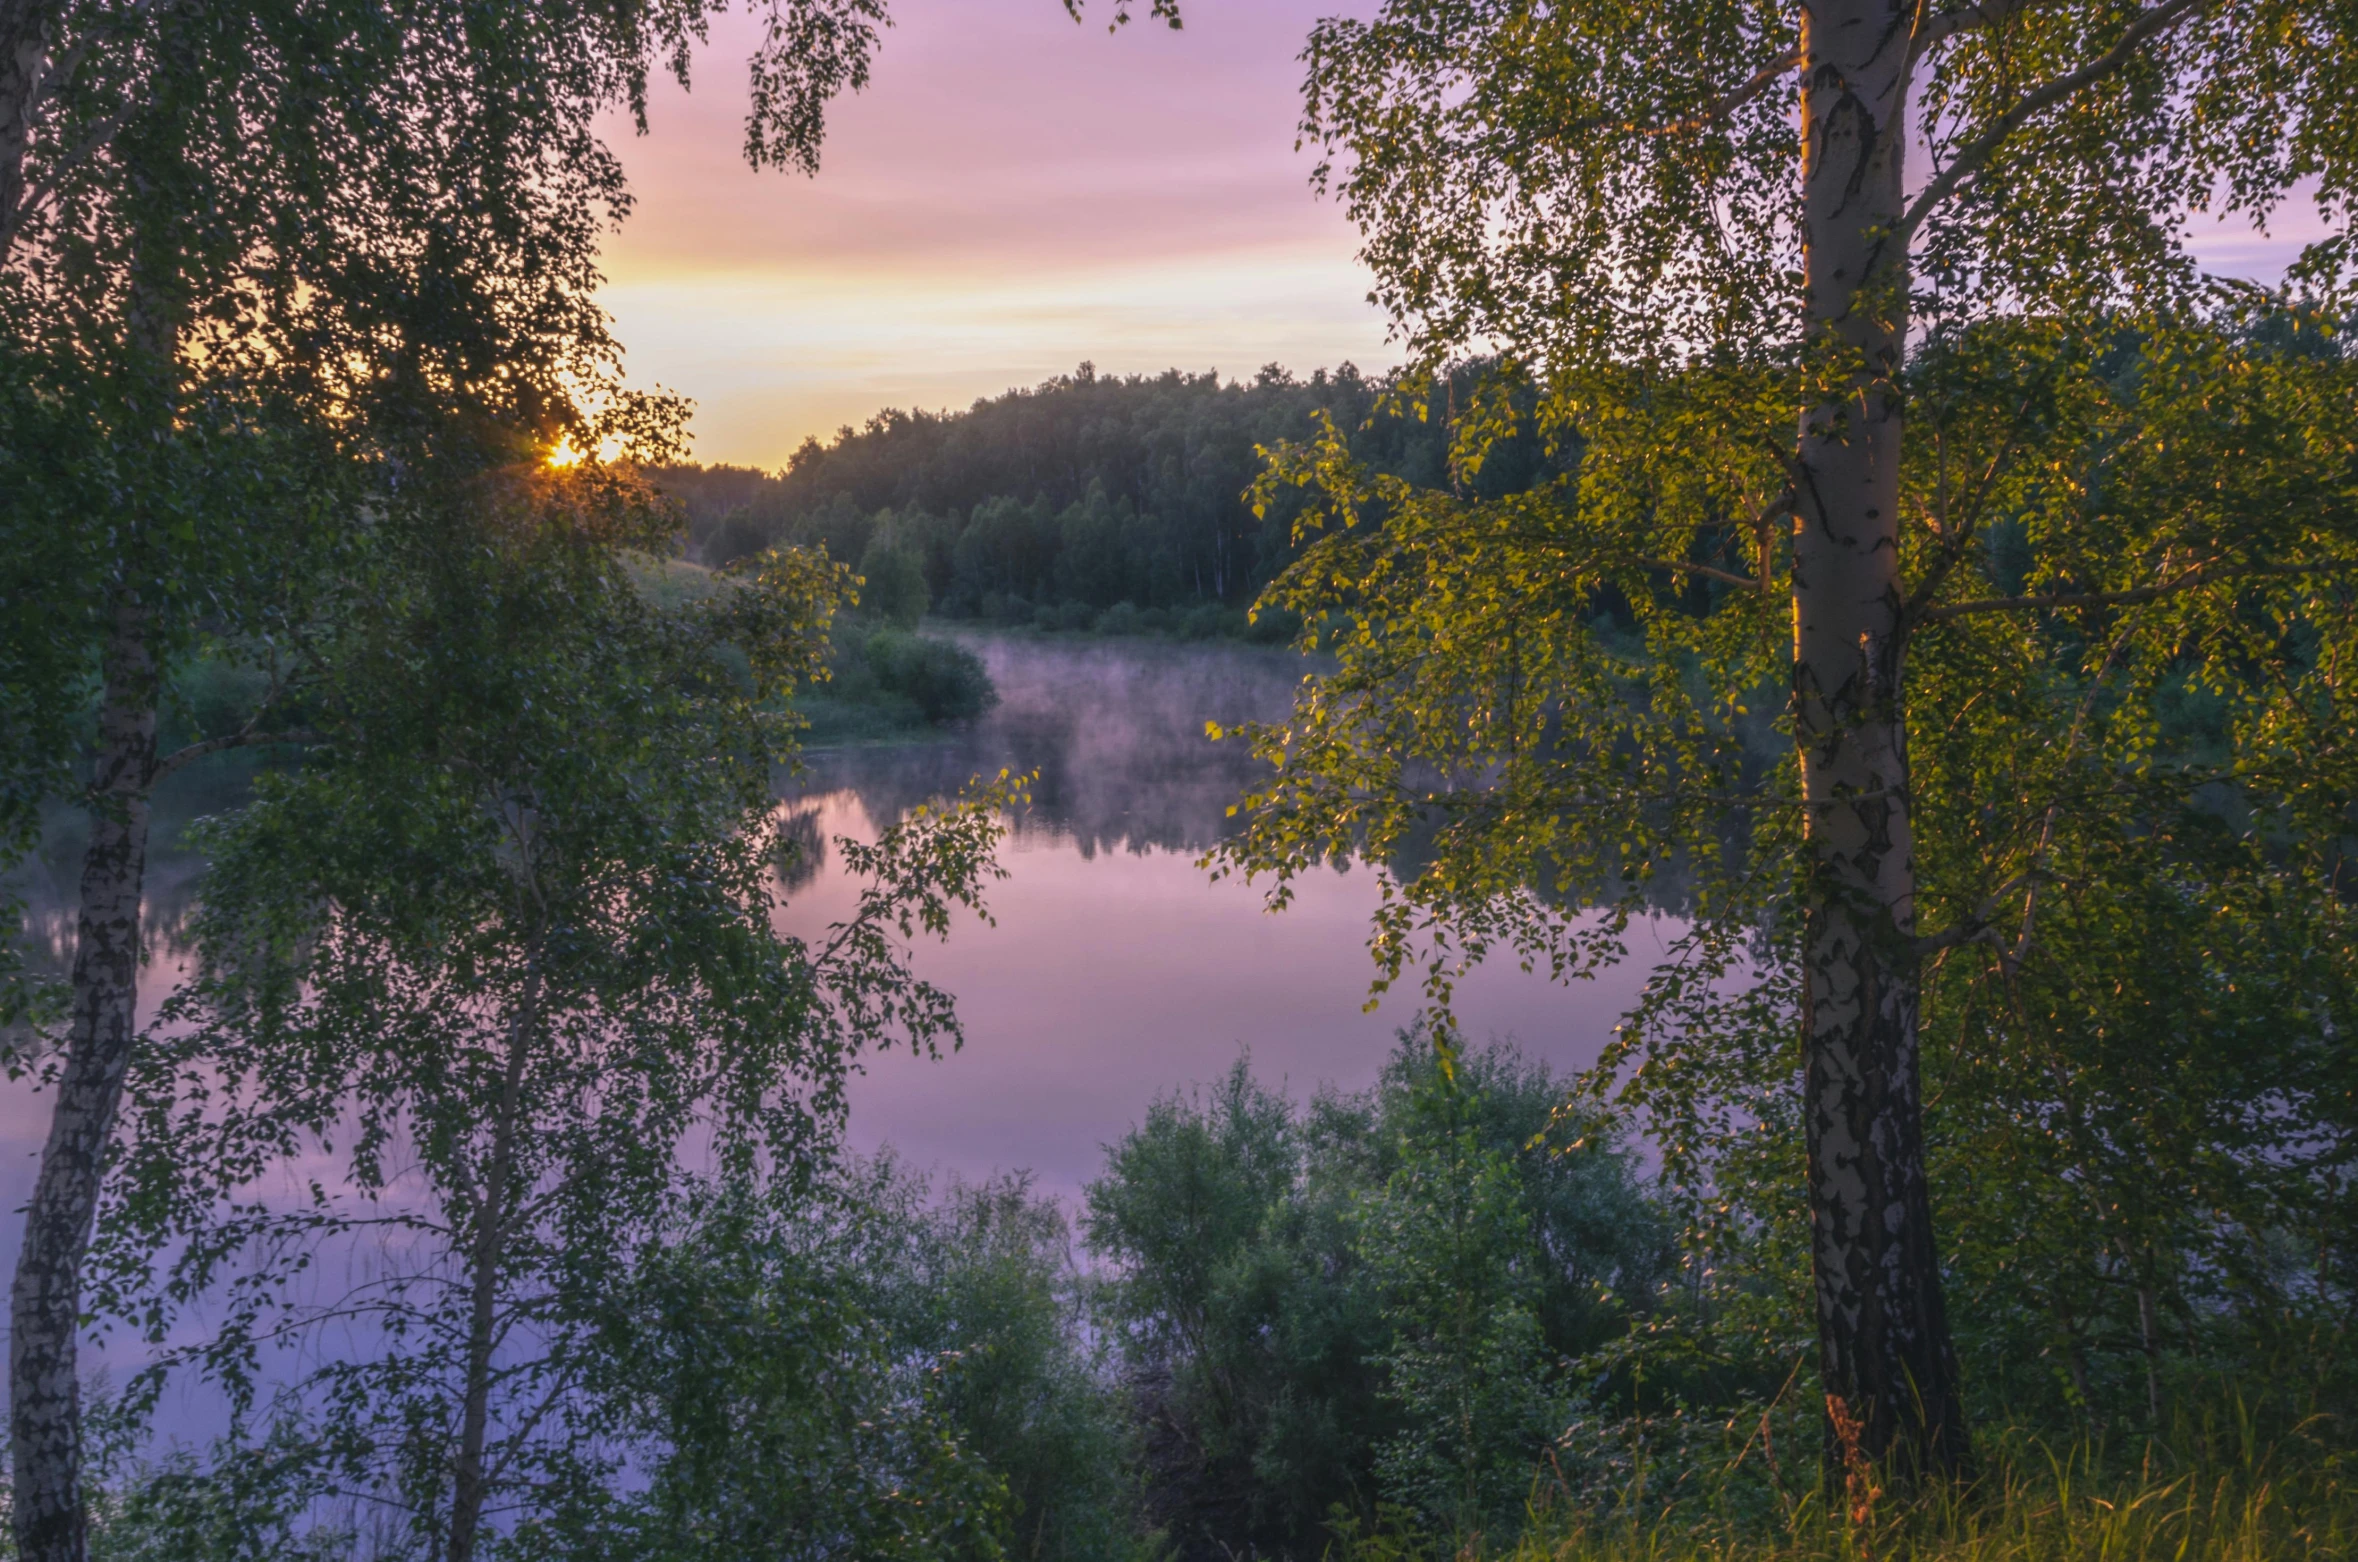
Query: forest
[1116,504]
[1836,568]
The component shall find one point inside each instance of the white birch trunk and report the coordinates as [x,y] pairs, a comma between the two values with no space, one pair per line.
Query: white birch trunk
[45,1411]
[1884,1350]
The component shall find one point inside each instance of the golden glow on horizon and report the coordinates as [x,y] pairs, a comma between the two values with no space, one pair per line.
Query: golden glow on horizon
[1011,195]
[565,454]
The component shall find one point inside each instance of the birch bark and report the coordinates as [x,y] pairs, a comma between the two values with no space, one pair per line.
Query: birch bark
[26,28]
[45,1302]
[45,1411]
[1884,1350]
[494,1214]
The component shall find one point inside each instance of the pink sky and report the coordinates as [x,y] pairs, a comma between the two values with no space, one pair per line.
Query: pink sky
[1011,195]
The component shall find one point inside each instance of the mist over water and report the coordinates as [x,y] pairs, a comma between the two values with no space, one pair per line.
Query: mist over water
[1114,729]
[1117,970]
[1113,969]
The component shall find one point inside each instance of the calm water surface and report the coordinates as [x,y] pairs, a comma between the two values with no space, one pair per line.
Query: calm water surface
[1117,970]
[1114,970]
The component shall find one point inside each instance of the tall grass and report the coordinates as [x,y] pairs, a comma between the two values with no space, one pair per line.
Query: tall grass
[2218,1488]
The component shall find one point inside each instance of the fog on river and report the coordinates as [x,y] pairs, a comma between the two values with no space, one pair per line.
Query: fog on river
[1116,969]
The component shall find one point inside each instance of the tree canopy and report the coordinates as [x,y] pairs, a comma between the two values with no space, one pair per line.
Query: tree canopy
[1054,504]
[498,948]
[1898,504]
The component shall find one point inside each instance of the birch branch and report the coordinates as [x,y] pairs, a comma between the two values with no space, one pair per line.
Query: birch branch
[2201,574]
[1977,152]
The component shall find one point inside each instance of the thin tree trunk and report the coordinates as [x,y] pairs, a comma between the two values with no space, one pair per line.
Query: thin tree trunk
[45,1410]
[468,1486]
[1883,1340]
[2076,1357]
[2149,1332]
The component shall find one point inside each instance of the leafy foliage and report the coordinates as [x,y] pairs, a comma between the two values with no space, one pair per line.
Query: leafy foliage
[865,1361]
[2129,587]
[276,281]
[1375,1298]
[743,1363]
[2055,556]
[500,954]
[945,682]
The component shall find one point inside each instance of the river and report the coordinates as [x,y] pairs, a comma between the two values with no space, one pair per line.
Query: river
[1117,968]
[1114,969]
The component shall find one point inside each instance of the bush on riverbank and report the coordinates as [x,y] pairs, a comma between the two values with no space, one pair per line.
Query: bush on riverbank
[1367,1298]
[887,682]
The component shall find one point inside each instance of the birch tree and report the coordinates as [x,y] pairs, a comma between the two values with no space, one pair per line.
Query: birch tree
[1819,302]
[257,263]
[503,951]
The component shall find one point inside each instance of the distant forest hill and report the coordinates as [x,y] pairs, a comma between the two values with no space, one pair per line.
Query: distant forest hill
[1088,501]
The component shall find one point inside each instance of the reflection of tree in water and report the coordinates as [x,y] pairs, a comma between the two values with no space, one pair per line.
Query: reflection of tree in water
[46,883]
[802,850]
[1115,730]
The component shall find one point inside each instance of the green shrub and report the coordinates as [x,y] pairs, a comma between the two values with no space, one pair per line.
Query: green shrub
[1211,621]
[945,682]
[1000,607]
[1063,617]
[893,582]
[1369,1299]
[983,1274]
[1273,626]
[1120,619]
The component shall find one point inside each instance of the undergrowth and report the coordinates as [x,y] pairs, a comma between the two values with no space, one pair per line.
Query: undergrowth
[2218,1489]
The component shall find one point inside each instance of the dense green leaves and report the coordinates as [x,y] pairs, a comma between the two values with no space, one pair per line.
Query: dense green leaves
[1913,415]
[2129,570]
[741,1361]
[1056,504]
[1372,1300]
[1607,181]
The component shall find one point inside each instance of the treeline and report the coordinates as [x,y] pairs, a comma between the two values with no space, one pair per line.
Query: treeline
[1087,501]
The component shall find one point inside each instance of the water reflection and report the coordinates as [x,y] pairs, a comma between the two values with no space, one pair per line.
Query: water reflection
[1113,970]
[1116,969]
[1115,730]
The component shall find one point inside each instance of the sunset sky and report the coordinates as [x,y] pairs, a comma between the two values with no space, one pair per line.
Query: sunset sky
[1011,195]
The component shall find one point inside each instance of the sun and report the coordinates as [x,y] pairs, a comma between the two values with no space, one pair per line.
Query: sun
[565,453]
